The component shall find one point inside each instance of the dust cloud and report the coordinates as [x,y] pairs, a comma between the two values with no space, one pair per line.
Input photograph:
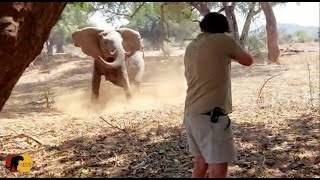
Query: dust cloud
[163,84]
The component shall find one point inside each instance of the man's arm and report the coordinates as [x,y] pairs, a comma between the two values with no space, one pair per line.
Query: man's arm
[243,58]
[238,54]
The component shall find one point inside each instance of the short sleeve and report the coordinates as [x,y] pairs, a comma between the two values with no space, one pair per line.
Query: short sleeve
[233,48]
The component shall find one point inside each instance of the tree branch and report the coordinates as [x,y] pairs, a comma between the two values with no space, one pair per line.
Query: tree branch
[222,9]
[118,14]
[201,7]
[257,11]
[191,12]
[137,10]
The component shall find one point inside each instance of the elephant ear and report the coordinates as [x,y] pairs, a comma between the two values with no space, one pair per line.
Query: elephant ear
[132,40]
[88,40]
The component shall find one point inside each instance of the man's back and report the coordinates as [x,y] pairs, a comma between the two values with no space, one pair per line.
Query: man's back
[207,70]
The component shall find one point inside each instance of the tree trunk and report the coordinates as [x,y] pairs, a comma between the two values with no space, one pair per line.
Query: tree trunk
[201,7]
[24,27]
[60,48]
[168,30]
[234,22]
[162,31]
[50,48]
[247,23]
[272,33]
[228,15]
[229,11]
[60,41]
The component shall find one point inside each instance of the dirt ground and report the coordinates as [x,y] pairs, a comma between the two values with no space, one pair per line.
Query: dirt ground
[276,128]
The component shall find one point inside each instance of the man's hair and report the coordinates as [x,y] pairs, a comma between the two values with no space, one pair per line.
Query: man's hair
[214,23]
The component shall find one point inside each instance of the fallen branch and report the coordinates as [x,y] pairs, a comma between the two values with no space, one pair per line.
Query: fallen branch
[12,130]
[123,130]
[23,135]
[259,94]
[40,134]
[26,152]
[19,136]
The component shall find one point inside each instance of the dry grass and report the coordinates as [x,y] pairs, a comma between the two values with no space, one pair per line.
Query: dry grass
[276,136]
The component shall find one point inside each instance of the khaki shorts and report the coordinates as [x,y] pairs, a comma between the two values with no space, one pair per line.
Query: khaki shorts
[211,140]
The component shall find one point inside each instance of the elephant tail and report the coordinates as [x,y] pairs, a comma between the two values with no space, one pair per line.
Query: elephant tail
[142,49]
[143,53]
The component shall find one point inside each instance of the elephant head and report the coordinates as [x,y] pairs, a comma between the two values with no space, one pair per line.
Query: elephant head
[103,44]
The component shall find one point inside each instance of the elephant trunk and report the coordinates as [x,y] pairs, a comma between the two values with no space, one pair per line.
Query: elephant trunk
[120,58]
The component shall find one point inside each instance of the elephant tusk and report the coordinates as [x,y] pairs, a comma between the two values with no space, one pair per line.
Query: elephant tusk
[112,53]
[128,53]
[114,64]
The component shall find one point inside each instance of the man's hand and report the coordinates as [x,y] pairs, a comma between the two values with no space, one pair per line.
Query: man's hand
[243,58]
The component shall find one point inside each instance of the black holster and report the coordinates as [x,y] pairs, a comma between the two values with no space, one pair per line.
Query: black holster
[215,114]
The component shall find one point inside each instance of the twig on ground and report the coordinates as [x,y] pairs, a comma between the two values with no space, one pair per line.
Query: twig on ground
[26,152]
[123,130]
[260,91]
[23,135]
[8,137]
[12,130]
[310,86]
[39,134]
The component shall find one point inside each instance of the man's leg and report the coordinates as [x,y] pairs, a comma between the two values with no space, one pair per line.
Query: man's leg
[215,143]
[200,167]
[219,170]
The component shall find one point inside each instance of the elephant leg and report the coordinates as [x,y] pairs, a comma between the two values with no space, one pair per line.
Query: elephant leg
[96,80]
[138,77]
[127,88]
[137,86]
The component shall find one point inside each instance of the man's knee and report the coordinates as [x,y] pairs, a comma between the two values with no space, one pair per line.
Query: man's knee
[219,170]
[200,167]
[200,163]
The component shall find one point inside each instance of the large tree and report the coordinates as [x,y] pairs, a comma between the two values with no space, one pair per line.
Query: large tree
[272,32]
[25,26]
[249,9]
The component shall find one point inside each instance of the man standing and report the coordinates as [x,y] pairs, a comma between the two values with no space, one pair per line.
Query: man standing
[208,101]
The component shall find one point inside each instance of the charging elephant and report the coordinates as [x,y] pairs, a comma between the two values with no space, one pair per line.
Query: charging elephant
[117,55]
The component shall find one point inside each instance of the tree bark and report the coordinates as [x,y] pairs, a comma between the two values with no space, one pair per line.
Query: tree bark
[50,48]
[202,7]
[60,48]
[272,33]
[234,22]
[24,27]
[162,31]
[60,41]
[229,11]
[247,23]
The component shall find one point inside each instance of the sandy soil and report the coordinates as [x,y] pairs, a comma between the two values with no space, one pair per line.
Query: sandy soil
[276,129]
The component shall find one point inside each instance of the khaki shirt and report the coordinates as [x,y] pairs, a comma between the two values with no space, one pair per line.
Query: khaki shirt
[207,63]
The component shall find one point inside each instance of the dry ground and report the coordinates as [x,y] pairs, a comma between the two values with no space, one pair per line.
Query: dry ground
[276,129]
